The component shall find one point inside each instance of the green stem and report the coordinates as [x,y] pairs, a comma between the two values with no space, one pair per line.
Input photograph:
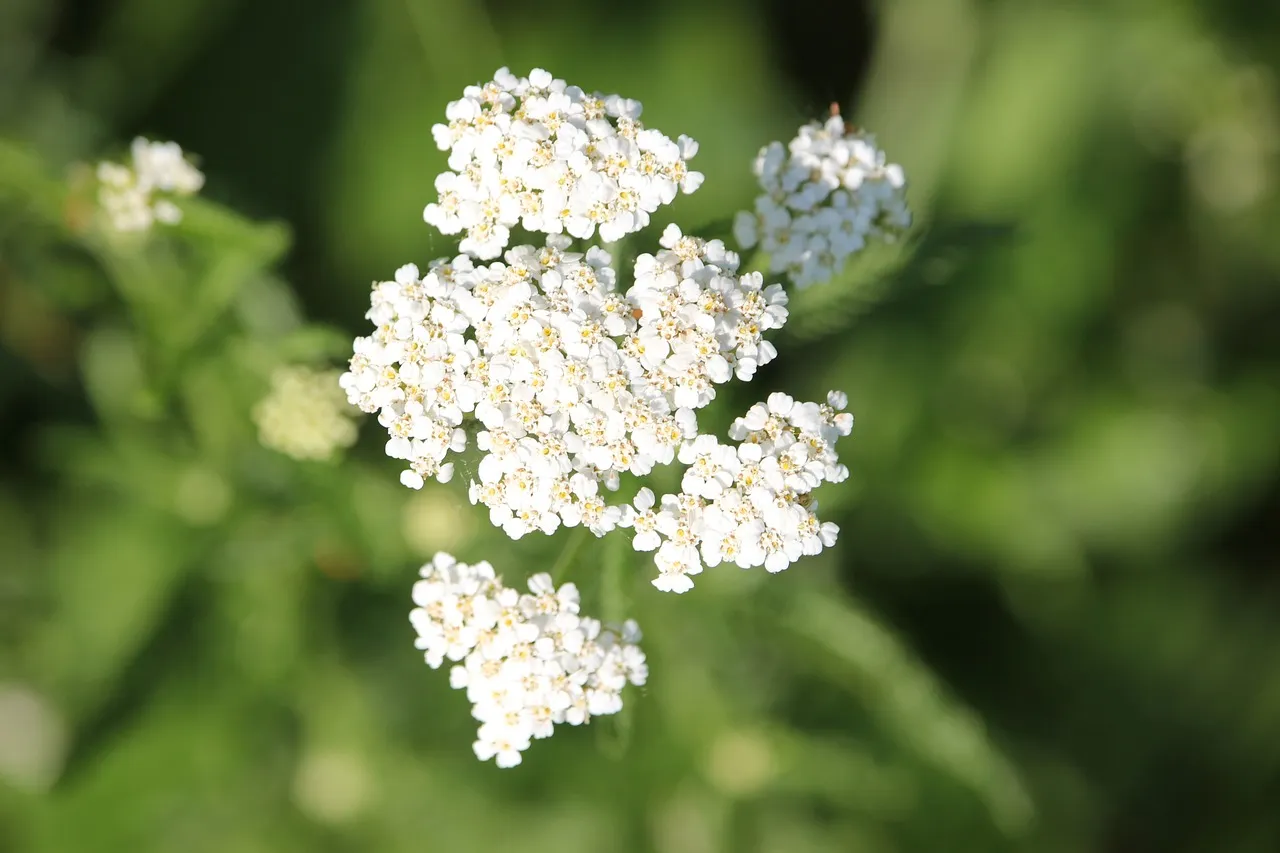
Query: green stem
[572,546]
[613,596]
[613,734]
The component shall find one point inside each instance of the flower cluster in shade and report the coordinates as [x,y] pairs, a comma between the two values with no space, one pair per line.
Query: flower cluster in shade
[826,194]
[554,159]
[528,662]
[748,504]
[304,414]
[567,383]
[136,195]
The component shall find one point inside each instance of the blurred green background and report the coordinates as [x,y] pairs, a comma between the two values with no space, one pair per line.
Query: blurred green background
[1051,620]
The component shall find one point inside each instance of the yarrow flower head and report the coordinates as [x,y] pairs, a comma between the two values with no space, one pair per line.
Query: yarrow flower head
[563,379]
[567,383]
[749,504]
[304,415]
[528,662]
[136,195]
[827,193]
[538,152]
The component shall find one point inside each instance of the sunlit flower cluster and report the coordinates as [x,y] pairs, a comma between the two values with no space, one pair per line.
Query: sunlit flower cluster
[569,384]
[749,504]
[537,152]
[304,414]
[827,193]
[562,379]
[141,193]
[527,661]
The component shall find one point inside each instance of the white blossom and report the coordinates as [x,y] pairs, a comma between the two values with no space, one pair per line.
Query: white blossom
[700,322]
[537,152]
[528,662]
[565,383]
[304,414]
[749,504]
[826,194]
[136,195]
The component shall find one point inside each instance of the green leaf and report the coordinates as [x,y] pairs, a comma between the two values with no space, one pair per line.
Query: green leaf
[23,179]
[114,573]
[314,343]
[908,702]
[882,272]
[216,226]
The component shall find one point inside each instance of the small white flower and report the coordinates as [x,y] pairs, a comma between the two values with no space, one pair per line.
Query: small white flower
[700,322]
[750,505]
[825,195]
[643,520]
[527,662]
[573,383]
[552,158]
[303,415]
[502,743]
[137,195]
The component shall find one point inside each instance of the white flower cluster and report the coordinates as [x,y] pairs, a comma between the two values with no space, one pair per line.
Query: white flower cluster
[135,196]
[748,504]
[571,383]
[552,158]
[566,380]
[304,414]
[826,194]
[527,662]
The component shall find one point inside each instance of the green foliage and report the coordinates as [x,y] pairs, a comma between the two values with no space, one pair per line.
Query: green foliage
[1050,623]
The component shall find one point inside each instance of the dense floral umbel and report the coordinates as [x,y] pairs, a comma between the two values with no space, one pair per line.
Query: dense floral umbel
[571,383]
[554,159]
[135,196]
[304,414]
[826,194]
[748,504]
[527,661]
